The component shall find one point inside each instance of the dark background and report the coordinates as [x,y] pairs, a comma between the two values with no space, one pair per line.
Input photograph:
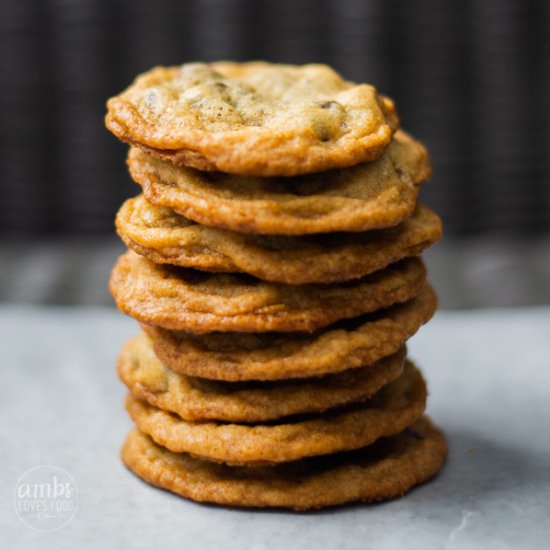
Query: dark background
[471,78]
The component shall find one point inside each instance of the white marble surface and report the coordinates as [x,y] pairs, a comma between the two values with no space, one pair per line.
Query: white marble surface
[489,377]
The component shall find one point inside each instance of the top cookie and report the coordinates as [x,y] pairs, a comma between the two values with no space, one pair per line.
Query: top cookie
[253,118]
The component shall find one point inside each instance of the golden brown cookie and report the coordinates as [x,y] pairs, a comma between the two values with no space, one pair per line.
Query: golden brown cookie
[367,196]
[389,412]
[253,118]
[199,399]
[199,302]
[165,237]
[387,469]
[346,345]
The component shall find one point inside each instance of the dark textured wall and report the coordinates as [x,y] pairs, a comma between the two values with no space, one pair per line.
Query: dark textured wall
[471,78]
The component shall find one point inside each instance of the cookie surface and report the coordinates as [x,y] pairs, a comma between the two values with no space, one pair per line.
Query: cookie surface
[387,469]
[238,356]
[198,399]
[163,236]
[367,196]
[253,118]
[389,412]
[199,302]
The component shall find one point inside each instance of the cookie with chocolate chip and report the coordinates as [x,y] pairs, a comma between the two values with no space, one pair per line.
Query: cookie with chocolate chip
[253,118]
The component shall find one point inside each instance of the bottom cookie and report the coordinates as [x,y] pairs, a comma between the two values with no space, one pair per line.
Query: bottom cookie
[384,470]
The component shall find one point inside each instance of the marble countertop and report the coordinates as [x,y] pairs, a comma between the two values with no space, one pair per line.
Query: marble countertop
[489,381]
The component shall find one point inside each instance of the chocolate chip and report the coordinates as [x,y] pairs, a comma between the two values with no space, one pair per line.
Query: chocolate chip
[324,135]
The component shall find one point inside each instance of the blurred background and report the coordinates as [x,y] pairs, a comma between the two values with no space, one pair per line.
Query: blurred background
[471,78]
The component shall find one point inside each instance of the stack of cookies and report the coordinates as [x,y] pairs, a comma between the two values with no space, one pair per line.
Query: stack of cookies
[274,268]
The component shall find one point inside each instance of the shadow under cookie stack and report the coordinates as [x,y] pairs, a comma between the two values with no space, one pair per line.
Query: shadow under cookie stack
[274,268]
